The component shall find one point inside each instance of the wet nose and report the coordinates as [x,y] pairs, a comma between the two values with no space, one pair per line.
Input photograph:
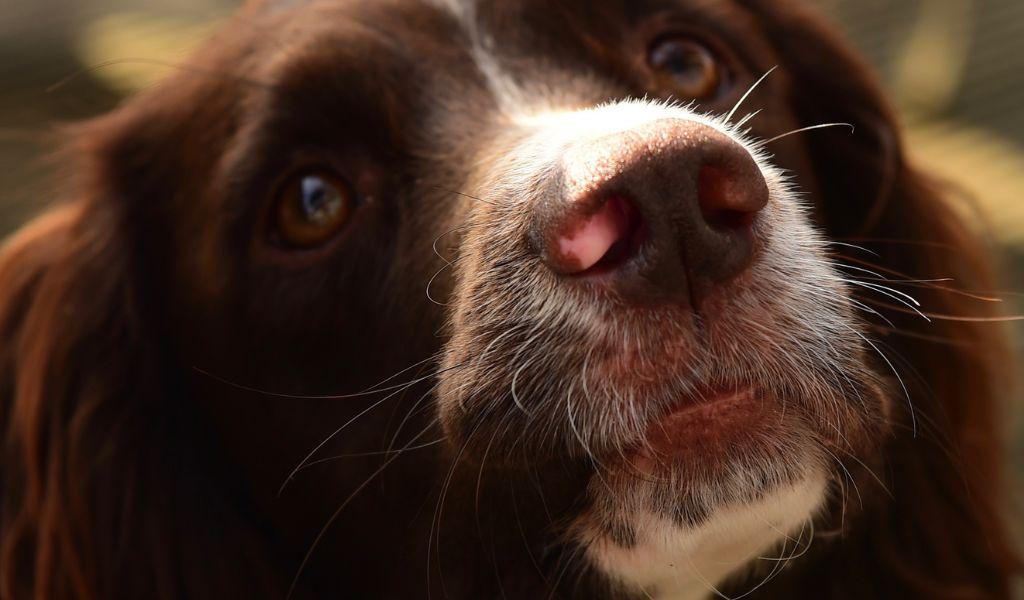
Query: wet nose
[664,210]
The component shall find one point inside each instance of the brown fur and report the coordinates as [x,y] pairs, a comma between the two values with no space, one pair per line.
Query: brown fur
[147,331]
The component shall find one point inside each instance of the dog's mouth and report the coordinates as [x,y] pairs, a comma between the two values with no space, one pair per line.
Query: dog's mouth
[702,425]
[704,430]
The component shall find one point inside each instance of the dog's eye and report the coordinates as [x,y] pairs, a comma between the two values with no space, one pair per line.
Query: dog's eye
[312,208]
[685,67]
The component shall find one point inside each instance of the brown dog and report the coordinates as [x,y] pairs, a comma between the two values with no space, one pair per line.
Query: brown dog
[517,300]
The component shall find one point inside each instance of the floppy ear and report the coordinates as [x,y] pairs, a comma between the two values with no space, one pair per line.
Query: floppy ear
[71,357]
[102,467]
[940,534]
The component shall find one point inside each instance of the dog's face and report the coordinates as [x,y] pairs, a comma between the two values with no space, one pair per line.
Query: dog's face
[639,286]
[567,204]
[595,234]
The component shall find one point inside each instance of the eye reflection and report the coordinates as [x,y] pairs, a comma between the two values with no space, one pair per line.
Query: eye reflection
[312,208]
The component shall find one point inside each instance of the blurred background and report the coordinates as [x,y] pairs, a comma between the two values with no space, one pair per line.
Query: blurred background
[955,68]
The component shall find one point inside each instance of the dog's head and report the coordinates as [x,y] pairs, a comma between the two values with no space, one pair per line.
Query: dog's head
[642,282]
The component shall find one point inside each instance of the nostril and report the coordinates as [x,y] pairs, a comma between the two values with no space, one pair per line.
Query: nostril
[730,199]
[602,239]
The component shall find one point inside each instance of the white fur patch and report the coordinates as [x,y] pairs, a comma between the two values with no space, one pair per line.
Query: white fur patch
[681,563]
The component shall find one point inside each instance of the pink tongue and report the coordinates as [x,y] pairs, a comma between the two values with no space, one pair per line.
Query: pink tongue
[592,239]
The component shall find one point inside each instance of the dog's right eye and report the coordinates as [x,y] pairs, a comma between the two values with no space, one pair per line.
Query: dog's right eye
[312,208]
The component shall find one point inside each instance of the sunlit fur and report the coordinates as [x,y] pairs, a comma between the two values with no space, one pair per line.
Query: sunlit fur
[419,408]
[543,369]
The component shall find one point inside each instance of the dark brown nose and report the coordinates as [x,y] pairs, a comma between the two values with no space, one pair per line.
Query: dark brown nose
[663,211]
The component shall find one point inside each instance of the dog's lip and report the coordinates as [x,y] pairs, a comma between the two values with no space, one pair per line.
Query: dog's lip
[703,424]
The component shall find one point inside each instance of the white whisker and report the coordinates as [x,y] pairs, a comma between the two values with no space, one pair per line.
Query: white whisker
[763,143]
[750,90]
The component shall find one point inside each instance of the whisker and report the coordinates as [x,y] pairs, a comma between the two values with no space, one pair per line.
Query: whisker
[953,318]
[515,376]
[704,581]
[906,392]
[842,265]
[849,476]
[763,143]
[409,414]
[375,386]
[358,416]
[334,517]
[750,90]
[447,265]
[479,525]
[864,307]
[897,241]
[854,246]
[433,245]
[928,284]
[369,391]
[977,295]
[746,119]
[302,462]
[871,472]
[522,534]
[375,453]
[598,467]
[902,296]
[890,329]
[896,295]
[567,563]
[464,195]
[782,561]
[435,524]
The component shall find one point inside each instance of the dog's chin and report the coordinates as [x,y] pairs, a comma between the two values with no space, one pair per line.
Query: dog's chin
[724,446]
[714,485]
[716,481]
[650,553]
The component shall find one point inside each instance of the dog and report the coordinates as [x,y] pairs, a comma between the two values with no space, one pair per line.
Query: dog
[484,299]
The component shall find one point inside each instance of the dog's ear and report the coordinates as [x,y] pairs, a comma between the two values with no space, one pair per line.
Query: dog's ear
[73,363]
[101,464]
[941,536]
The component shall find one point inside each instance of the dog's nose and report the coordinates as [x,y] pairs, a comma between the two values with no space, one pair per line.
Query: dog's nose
[666,209]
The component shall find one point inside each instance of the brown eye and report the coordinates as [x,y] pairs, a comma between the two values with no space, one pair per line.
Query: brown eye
[312,208]
[686,68]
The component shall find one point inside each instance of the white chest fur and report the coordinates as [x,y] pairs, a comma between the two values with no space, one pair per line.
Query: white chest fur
[682,563]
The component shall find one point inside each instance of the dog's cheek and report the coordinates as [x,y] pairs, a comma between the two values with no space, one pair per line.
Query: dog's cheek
[463,375]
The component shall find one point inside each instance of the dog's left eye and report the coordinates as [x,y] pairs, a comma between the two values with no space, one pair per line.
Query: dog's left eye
[685,67]
[311,208]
